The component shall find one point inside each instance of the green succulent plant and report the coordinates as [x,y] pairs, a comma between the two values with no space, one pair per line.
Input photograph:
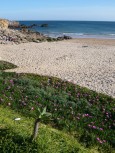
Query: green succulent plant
[40,116]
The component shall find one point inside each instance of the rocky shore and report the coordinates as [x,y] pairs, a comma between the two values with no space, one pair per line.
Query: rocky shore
[10,36]
[12,32]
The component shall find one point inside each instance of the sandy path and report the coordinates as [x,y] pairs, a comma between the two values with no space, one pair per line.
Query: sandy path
[92,66]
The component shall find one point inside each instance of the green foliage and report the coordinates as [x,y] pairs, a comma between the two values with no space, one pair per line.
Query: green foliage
[6,65]
[14,137]
[42,114]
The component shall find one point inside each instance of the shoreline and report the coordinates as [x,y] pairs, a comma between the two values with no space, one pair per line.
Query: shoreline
[83,36]
[93,41]
[86,62]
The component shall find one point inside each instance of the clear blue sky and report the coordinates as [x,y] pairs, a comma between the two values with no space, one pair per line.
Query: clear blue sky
[103,10]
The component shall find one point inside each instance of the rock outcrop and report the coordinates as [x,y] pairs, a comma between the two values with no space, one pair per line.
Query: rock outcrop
[10,34]
[16,36]
[64,37]
[13,24]
[4,23]
[8,24]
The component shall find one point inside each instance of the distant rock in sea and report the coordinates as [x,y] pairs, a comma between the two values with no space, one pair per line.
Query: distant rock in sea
[44,25]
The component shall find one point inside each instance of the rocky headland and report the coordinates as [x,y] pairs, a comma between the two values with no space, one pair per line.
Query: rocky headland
[11,32]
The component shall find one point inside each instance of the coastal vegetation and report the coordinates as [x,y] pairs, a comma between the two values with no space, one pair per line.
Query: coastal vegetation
[81,120]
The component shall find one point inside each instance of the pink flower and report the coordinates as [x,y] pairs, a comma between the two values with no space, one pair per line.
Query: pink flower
[89,125]
[86,114]
[98,139]
[101,129]
[32,108]
[94,127]
[78,118]
[11,81]
[104,141]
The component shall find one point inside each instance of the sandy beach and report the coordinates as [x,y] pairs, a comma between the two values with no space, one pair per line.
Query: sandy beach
[86,62]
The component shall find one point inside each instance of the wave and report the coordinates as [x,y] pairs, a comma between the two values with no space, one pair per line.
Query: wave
[112,34]
[81,35]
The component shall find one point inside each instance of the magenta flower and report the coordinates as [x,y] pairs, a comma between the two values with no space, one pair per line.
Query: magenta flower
[89,125]
[94,127]
[98,139]
[11,81]
[104,141]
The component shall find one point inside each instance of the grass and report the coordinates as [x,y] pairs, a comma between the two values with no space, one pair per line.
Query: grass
[87,116]
[15,136]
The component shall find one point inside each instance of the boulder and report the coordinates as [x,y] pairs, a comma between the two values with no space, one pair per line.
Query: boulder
[4,23]
[22,26]
[67,37]
[13,24]
[60,38]
[64,37]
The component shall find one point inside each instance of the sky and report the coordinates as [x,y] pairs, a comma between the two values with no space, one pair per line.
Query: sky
[81,10]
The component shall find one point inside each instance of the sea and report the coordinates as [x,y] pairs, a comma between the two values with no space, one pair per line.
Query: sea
[75,29]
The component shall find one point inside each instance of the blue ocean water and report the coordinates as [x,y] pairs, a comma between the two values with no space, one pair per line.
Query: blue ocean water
[75,29]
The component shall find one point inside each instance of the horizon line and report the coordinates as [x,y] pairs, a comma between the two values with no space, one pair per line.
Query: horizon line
[67,20]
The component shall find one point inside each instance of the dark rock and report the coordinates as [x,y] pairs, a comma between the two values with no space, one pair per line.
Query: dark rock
[23,26]
[60,38]
[67,37]
[64,37]
[50,39]
[27,27]
[44,25]
[33,25]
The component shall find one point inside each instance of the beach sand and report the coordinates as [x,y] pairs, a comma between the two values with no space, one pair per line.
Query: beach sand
[86,62]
